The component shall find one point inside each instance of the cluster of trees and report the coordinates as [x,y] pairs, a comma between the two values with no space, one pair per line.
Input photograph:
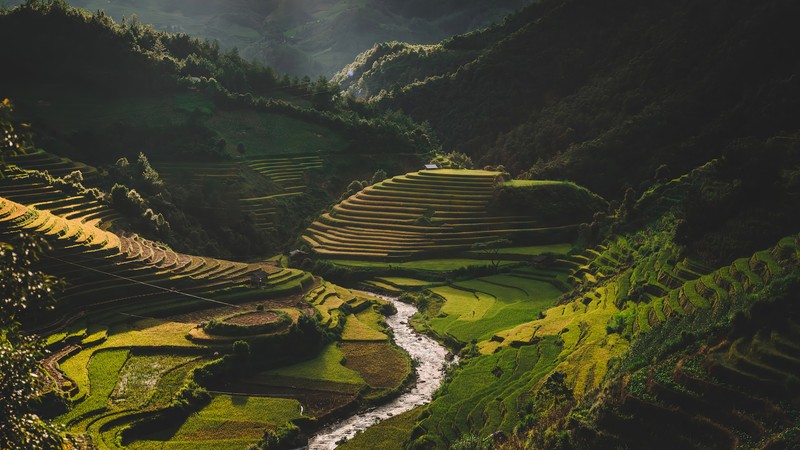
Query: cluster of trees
[203,218]
[23,290]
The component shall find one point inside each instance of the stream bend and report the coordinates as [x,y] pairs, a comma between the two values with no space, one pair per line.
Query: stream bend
[431,360]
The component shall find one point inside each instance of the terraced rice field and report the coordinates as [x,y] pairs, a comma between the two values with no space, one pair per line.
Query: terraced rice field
[582,323]
[278,177]
[335,305]
[137,370]
[737,395]
[105,270]
[43,197]
[55,165]
[184,172]
[579,339]
[288,174]
[229,422]
[478,308]
[422,212]
[365,364]
[489,394]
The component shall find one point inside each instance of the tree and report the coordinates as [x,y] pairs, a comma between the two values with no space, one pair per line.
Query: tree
[378,176]
[628,204]
[11,141]
[492,248]
[22,289]
[241,350]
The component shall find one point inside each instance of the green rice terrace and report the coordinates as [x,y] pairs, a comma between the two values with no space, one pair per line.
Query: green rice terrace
[153,348]
[138,322]
[436,211]
[574,229]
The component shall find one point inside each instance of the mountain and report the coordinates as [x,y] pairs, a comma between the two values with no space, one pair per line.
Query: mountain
[599,93]
[620,270]
[307,37]
[103,93]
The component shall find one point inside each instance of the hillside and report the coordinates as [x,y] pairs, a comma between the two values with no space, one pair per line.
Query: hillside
[599,94]
[445,211]
[281,149]
[135,341]
[306,37]
[575,229]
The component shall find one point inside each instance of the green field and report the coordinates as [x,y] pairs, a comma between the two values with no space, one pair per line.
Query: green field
[327,366]
[533,250]
[103,374]
[405,282]
[364,326]
[488,394]
[478,308]
[433,265]
[228,422]
[265,134]
[391,434]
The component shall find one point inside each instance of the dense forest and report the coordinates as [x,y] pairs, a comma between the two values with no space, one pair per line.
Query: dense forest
[305,37]
[602,94]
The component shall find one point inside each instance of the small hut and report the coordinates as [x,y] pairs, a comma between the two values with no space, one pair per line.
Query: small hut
[258,278]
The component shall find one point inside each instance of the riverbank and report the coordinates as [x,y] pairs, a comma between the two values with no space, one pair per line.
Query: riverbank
[430,358]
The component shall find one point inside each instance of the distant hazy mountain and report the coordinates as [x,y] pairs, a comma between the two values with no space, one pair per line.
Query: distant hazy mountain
[308,37]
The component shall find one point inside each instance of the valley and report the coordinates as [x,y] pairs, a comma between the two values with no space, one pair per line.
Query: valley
[573,228]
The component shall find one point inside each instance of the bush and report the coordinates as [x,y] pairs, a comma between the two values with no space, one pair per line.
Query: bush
[232,329]
[283,437]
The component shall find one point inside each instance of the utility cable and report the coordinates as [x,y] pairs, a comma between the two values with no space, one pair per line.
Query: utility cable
[185,294]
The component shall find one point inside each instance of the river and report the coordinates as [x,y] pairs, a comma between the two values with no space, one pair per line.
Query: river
[431,360]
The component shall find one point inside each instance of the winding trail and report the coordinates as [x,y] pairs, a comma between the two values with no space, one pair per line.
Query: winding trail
[431,360]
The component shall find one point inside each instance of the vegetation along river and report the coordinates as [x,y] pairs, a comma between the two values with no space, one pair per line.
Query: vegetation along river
[431,360]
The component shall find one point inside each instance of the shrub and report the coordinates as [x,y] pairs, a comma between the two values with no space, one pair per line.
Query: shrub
[232,329]
[283,437]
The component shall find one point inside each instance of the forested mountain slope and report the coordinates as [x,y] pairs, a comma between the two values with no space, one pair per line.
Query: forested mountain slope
[602,93]
[247,155]
[306,37]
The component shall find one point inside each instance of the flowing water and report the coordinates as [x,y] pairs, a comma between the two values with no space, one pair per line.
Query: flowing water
[431,361]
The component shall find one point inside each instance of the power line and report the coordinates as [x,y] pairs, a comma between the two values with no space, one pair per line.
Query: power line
[185,294]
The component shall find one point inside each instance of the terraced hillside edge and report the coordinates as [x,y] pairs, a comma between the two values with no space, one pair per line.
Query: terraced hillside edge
[439,211]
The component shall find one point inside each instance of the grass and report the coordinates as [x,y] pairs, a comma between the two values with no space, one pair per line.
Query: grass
[525,183]
[484,306]
[265,134]
[464,305]
[380,364]
[433,265]
[390,434]
[140,376]
[487,386]
[327,366]
[95,333]
[103,374]
[356,330]
[228,422]
[405,282]
[558,249]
